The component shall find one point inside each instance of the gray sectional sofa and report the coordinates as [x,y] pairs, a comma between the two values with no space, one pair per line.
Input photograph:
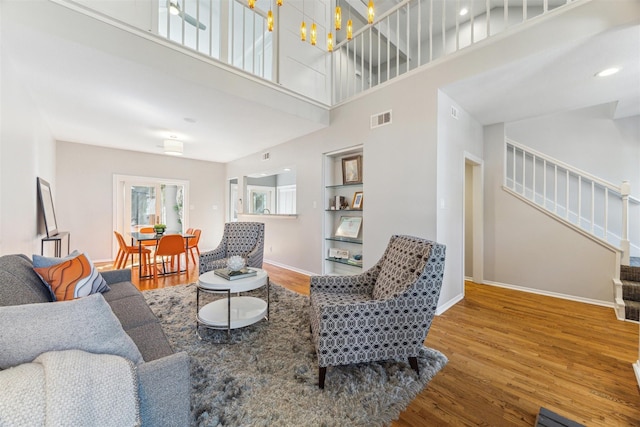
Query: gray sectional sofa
[164,388]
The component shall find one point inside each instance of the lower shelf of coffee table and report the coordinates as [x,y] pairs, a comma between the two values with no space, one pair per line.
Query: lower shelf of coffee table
[245,311]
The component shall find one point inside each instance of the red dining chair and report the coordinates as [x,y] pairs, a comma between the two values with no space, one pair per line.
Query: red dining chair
[125,250]
[170,246]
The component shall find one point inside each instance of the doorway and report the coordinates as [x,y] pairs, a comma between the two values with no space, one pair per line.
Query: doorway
[145,201]
[473,224]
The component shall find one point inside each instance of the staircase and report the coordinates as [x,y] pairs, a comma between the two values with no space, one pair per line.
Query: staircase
[630,281]
[600,210]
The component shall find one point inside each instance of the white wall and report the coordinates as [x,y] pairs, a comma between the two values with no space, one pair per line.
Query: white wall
[456,137]
[408,167]
[27,151]
[304,68]
[526,248]
[84,203]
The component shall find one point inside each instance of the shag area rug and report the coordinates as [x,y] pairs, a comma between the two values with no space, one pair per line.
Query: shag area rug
[267,374]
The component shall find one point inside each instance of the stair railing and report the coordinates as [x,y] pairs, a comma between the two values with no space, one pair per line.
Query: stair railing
[596,207]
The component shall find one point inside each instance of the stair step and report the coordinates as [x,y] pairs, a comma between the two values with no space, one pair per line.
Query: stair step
[630,290]
[632,310]
[628,272]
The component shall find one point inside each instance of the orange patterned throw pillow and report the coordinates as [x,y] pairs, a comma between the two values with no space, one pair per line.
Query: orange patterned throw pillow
[73,278]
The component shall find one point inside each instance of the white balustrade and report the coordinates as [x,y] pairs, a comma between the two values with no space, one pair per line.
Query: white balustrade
[587,202]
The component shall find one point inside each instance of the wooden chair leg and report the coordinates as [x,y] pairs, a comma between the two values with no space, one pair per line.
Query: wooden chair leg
[322,372]
[413,362]
[116,262]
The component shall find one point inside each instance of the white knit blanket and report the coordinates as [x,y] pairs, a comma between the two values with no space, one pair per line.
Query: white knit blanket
[70,388]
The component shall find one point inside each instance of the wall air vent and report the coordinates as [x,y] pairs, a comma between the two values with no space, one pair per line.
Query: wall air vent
[454,112]
[265,156]
[381,119]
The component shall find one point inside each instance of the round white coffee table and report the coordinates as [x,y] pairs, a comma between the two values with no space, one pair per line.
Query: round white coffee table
[231,312]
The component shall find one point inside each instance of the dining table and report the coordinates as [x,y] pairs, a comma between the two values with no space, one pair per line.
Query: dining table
[140,238]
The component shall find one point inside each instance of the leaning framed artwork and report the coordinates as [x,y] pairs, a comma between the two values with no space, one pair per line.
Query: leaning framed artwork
[349,227]
[352,170]
[357,200]
[46,206]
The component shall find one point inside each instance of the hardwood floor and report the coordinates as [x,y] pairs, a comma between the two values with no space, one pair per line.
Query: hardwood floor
[509,354]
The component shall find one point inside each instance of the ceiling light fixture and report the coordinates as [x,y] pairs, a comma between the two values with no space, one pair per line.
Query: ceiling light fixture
[330,42]
[608,72]
[338,18]
[370,12]
[270,21]
[314,34]
[464,11]
[173,147]
[349,25]
[303,26]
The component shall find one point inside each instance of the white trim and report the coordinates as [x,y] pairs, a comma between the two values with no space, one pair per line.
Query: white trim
[288,267]
[636,369]
[478,215]
[444,307]
[549,294]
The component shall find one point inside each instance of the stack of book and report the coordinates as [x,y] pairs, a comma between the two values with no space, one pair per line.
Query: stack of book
[354,261]
[235,274]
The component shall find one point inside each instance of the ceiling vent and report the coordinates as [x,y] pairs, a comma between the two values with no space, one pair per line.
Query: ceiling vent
[381,119]
[265,156]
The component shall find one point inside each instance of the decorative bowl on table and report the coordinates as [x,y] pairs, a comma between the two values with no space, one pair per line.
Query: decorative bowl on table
[235,263]
[159,228]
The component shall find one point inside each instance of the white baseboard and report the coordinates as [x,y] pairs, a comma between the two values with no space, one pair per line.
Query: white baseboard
[550,294]
[636,369]
[288,267]
[446,306]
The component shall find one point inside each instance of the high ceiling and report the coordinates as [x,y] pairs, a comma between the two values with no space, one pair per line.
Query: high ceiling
[557,80]
[99,85]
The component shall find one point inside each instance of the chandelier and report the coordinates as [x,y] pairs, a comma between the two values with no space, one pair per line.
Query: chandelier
[314,34]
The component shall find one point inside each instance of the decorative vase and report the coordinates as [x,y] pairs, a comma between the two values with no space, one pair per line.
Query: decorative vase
[235,263]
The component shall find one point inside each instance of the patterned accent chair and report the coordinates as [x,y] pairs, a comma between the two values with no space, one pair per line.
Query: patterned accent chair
[245,239]
[383,313]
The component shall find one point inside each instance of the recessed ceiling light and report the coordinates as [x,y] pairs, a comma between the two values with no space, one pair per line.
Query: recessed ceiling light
[173,147]
[464,11]
[608,72]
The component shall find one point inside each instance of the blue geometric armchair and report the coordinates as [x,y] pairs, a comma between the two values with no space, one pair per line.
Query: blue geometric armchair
[245,239]
[383,313]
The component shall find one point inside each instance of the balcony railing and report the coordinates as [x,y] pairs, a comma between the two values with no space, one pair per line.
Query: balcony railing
[405,37]
[417,32]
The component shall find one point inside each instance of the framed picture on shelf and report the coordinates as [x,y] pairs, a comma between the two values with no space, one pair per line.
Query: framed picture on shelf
[357,200]
[349,227]
[352,170]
